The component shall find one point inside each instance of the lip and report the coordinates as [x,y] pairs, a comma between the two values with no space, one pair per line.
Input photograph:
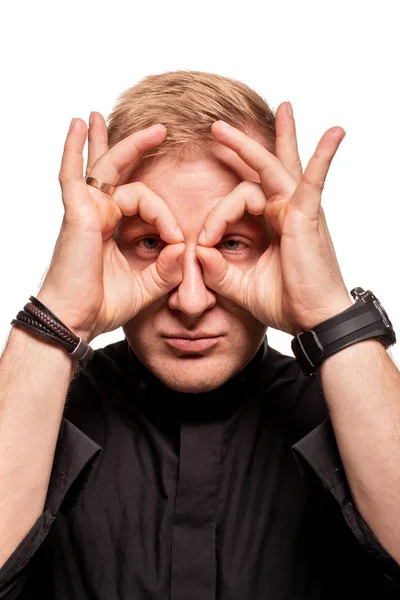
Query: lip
[193,344]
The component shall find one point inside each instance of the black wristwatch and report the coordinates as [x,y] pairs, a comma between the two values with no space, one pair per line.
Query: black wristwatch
[366,319]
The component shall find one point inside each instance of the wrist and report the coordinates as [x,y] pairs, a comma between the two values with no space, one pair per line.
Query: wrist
[337,307]
[363,320]
[33,344]
[53,304]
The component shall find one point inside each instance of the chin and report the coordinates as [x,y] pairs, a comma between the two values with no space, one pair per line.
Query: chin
[193,375]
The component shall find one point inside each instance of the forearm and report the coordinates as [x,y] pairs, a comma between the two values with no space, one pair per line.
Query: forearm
[361,385]
[34,380]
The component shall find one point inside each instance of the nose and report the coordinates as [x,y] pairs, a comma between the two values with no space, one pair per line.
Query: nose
[191,297]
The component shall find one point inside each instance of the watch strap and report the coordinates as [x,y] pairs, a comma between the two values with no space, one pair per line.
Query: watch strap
[361,321]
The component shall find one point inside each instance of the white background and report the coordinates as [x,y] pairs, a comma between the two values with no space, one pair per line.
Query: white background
[337,62]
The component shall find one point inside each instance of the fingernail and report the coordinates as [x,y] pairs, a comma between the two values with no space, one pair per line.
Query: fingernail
[225,125]
[289,109]
[178,232]
[156,126]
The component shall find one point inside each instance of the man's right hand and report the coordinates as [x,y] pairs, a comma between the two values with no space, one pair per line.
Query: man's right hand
[89,285]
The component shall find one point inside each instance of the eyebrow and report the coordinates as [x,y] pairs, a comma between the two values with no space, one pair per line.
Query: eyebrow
[252,218]
[258,219]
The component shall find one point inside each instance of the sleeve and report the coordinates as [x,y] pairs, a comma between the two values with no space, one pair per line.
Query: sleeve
[76,456]
[318,458]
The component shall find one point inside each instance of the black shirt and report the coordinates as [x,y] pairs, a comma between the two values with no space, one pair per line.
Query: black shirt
[235,494]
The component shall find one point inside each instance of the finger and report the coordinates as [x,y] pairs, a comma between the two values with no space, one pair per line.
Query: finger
[307,196]
[224,278]
[71,171]
[235,163]
[72,159]
[247,196]
[274,178]
[136,198]
[97,141]
[110,165]
[162,276]
[286,140]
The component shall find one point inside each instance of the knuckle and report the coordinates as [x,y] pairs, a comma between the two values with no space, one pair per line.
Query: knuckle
[139,187]
[318,185]
[254,195]
[248,187]
[136,189]
[62,179]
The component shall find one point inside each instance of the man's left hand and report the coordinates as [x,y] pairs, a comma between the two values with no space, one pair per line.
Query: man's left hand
[296,283]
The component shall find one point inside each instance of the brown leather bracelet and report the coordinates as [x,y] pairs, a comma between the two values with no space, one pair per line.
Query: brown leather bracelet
[49,321]
[39,320]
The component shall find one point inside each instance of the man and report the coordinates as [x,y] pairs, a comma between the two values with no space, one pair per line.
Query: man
[191,460]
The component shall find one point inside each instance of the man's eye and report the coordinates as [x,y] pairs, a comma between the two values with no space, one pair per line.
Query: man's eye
[231,245]
[153,244]
[150,243]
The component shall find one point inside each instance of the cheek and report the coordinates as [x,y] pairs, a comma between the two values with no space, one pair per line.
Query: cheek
[242,321]
[146,321]
[247,259]
[137,261]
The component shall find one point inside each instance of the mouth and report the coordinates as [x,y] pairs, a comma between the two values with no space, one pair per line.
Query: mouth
[193,344]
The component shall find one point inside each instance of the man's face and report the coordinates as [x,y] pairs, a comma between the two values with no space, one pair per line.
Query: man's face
[191,189]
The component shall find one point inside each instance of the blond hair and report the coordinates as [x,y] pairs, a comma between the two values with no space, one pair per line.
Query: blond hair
[187,103]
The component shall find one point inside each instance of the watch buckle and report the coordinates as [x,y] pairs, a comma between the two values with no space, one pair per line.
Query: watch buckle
[317,344]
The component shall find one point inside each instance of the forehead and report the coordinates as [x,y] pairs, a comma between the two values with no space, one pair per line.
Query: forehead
[192,187]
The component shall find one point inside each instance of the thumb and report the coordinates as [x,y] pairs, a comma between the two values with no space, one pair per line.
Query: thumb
[163,275]
[219,275]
